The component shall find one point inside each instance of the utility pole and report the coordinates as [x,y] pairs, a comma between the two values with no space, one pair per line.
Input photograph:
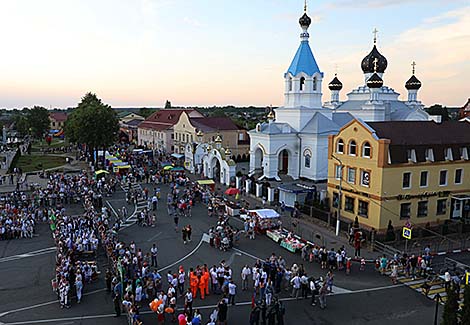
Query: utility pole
[340,194]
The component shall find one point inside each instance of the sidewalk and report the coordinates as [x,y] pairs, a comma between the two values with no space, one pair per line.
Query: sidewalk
[305,227]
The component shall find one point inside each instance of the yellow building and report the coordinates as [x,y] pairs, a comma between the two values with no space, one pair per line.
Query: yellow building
[399,171]
[187,128]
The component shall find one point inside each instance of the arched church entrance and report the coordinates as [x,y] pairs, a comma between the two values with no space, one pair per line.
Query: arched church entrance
[216,169]
[258,159]
[283,162]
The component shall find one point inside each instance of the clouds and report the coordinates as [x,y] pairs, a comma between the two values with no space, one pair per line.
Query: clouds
[377,4]
[440,45]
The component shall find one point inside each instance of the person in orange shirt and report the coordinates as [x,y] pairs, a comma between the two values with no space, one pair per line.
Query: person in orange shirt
[202,285]
[193,282]
[206,277]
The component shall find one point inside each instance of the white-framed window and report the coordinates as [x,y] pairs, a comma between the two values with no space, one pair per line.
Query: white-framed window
[464,153]
[458,176]
[307,160]
[351,175]
[429,154]
[365,178]
[338,171]
[443,178]
[340,146]
[423,178]
[302,83]
[366,150]
[406,180]
[352,150]
[411,155]
[448,154]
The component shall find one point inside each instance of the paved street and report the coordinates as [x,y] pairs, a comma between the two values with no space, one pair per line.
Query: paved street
[27,268]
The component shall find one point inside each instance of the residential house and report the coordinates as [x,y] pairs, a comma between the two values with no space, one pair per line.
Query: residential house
[156,131]
[57,120]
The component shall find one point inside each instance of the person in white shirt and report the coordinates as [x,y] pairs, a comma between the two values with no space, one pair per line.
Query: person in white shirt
[295,281]
[232,290]
[246,272]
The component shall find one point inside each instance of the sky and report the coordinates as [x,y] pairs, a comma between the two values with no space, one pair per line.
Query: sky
[220,52]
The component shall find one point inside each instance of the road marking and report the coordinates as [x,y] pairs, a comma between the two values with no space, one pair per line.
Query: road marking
[183,258]
[152,238]
[244,303]
[248,254]
[44,304]
[112,209]
[28,254]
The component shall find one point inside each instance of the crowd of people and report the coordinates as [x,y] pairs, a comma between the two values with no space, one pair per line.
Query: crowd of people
[76,237]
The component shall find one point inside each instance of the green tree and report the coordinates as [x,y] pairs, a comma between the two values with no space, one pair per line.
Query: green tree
[451,307]
[92,123]
[146,112]
[38,121]
[167,104]
[465,313]
[438,109]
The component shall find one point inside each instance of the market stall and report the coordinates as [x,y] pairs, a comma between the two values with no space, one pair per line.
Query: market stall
[207,182]
[276,234]
[291,193]
[292,243]
[266,219]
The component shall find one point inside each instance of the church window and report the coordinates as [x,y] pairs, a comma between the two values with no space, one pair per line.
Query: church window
[340,146]
[289,84]
[366,150]
[314,83]
[352,148]
[307,160]
[302,82]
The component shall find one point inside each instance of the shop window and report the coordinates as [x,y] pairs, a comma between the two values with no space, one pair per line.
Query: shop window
[365,178]
[405,210]
[349,204]
[363,210]
[441,206]
[422,208]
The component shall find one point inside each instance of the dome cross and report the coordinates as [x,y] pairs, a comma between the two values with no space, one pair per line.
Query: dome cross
[375,32]
[413,65]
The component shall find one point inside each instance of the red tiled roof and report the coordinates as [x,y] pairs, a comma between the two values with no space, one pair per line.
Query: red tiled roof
[211,124]
[58,116]
[163,119]
[154,126]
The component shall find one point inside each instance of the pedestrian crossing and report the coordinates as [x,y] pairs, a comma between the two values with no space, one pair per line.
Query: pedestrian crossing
[436,287]
[139,206]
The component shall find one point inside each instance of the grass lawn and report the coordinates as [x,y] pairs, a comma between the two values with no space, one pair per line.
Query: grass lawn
[56,143]
[30,163]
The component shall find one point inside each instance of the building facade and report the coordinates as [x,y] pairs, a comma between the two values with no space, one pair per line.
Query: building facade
[398,172]
[294,141]
[156,131]
[57,120]
[190,130]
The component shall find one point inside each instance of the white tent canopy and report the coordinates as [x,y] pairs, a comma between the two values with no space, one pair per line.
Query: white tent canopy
[265,213]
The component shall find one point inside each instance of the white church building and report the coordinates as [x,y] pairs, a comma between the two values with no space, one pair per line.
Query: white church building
[294,141]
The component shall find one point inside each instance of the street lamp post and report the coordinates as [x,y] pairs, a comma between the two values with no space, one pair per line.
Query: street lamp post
[340,193]
[436,312]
